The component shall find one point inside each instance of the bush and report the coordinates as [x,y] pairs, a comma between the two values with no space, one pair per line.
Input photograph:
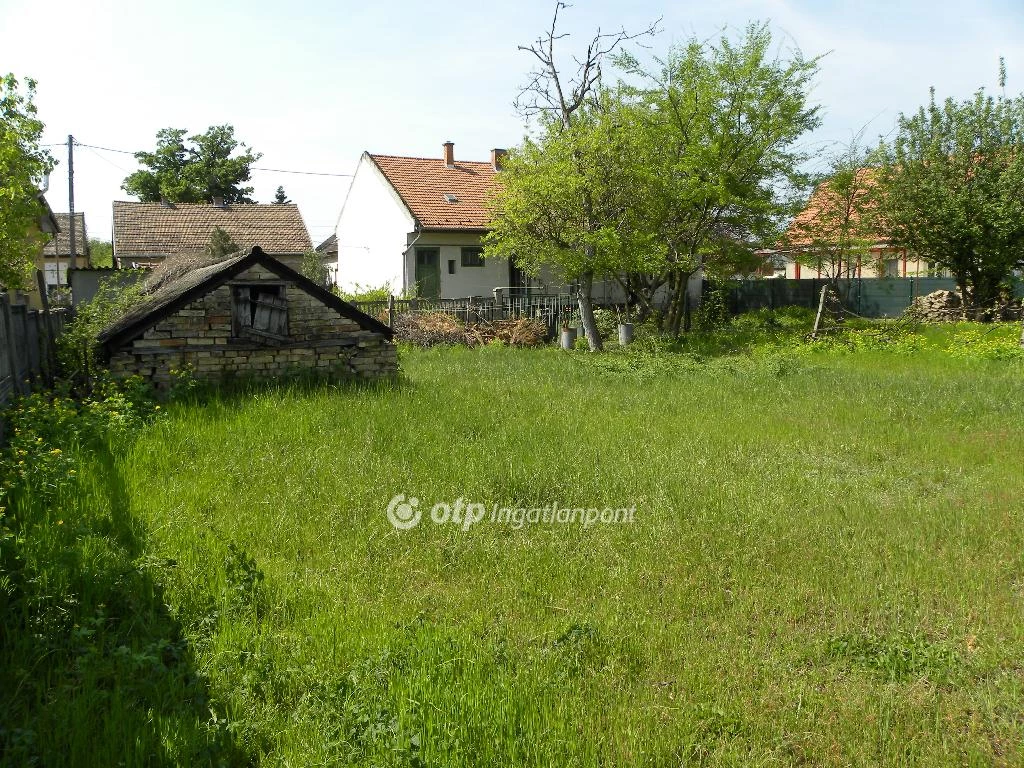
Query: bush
[76,346]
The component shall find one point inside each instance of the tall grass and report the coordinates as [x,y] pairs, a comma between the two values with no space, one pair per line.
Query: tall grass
[825,565]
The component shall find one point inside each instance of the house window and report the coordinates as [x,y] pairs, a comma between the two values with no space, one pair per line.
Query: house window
[55,274]
[472,257]
[260,312]
[451,266]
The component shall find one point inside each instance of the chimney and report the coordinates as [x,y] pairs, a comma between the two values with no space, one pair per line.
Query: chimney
[496,157]
[218,202]
[449,154]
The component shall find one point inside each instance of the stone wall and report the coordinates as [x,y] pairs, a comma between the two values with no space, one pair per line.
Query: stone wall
[199,337]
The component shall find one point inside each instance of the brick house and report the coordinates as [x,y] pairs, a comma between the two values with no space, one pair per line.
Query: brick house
[247,316]
[147,233]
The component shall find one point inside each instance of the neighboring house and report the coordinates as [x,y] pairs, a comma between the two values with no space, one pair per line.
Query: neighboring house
[147,233]
[57,257]
[46,228]
[827,210]
[328,251]
[247,316]
[415,224]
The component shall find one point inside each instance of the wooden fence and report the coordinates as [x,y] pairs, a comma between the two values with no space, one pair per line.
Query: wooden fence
[550,308]
[28,352]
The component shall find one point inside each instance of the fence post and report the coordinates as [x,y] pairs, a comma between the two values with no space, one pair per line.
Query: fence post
[51,338]
[499,304]
[16,383]
[391,310]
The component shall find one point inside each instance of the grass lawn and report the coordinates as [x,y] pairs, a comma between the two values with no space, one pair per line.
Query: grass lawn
[825,566]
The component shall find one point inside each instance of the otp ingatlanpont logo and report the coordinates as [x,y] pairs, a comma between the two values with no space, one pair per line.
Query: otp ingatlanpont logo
[403,514]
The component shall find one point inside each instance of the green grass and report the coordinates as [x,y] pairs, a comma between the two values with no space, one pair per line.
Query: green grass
[825,566]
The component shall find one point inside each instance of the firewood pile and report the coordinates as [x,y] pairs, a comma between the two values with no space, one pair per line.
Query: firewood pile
[947,307]
[427,329]
[936,307]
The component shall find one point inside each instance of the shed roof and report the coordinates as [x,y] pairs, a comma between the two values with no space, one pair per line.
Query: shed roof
[176,294]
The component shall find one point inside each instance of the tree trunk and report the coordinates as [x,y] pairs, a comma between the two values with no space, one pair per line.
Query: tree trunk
[587,312]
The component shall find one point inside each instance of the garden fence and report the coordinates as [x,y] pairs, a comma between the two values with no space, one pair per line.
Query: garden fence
[550,308]
[867,297]
[28,352]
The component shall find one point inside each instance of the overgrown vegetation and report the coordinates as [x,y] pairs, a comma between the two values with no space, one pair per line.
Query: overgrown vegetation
[76,346]
[93,668]
[826,536]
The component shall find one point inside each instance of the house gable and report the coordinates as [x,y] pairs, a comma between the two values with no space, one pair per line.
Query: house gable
[180,293]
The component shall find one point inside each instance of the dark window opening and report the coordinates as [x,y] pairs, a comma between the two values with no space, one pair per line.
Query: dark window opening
[451,266]
[472,257]
[260,312]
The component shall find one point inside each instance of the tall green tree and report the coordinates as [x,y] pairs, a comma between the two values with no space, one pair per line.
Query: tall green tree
[716,168]
[952,190]
[553,206]
[195,169]
[23,166]
[101,252]
[280,197]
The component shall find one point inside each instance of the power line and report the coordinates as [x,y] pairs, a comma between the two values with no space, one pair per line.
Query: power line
[254,168]
[300,173]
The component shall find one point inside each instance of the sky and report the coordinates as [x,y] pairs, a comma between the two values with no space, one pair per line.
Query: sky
[313,84]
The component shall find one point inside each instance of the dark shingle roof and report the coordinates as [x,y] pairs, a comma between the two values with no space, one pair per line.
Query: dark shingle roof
[175,295]
[423,184]
[60,245]
[329,247]
[146,229]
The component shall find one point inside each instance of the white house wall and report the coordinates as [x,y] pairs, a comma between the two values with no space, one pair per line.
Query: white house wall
[466,281]
[372,232]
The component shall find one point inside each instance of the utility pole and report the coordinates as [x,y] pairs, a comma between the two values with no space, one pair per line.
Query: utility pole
[71,206]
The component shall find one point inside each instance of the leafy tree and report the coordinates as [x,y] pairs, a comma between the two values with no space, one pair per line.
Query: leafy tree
[221,245]
[194,169]
[280,198]
[952,190]
[837,230]
[314,268]
[23,164]
[101,252]
[715,172]
[553,206]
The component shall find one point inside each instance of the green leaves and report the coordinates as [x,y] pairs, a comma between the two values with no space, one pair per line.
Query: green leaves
[23,165]
[194,170]
[953,189]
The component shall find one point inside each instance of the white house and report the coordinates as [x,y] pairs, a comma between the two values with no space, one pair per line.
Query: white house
[415,224]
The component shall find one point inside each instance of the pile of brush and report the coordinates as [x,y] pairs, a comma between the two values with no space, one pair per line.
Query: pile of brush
[428,329]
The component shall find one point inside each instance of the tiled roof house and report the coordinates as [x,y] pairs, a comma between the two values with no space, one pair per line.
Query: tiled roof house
[415,223]
[825,211]
[147,233]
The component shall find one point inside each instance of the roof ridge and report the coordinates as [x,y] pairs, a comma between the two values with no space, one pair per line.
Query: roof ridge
[430,159]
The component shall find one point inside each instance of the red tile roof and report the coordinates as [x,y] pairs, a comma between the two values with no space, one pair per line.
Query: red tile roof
[815,221]
[423,184]
[155,229]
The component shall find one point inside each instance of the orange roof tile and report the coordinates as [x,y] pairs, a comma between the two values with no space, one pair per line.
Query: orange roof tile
[155,229]
[807,226]
[423,184]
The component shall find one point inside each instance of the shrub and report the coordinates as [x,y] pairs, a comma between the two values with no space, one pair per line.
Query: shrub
[76,346]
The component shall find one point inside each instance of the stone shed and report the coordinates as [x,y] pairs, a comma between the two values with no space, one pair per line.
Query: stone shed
[249,316]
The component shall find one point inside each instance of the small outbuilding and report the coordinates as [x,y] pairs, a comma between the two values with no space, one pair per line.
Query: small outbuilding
[250,316]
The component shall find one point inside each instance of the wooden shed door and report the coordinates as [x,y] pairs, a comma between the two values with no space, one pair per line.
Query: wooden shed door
[271,314]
